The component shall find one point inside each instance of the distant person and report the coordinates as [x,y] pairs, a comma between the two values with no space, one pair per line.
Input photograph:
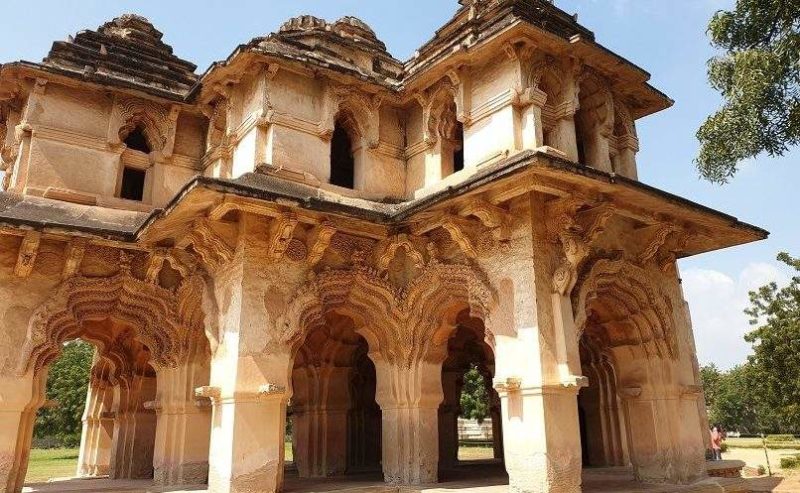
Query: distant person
[717,435]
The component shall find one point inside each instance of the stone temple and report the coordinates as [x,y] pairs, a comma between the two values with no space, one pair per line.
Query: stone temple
[313,230]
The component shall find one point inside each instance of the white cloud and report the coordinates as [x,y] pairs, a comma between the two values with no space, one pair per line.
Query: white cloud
[717,302]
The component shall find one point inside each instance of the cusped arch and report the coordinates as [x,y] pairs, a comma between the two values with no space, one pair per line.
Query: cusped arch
[635,310]
[154,121]
[398,322]
[149,309]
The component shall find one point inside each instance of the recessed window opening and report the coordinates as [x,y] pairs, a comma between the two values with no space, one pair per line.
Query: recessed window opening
[342,159]
[132,184]
[458,148]
[137,141]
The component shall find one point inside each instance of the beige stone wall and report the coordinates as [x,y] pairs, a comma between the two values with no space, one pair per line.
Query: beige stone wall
[67,145]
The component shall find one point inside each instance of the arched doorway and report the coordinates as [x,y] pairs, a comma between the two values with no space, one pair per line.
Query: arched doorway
[603,440]
[470,361]
[142,417]
[639,407]
[336,424]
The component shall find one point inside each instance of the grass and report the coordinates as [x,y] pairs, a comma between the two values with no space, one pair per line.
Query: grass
[59,463]
[757,443]
[51,463]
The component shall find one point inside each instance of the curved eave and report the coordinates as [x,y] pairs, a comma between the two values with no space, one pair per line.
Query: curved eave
[96,81]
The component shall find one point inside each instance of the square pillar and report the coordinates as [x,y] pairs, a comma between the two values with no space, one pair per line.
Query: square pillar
[448,418]
[321,404]
[183,427]
[541,437]
[247,433]
[134,428]
[20,399]
[94,458]
[409,394]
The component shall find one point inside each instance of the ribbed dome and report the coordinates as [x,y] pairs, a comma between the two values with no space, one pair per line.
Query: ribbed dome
[132,27]
[348,27]
[129,51]
[304,23]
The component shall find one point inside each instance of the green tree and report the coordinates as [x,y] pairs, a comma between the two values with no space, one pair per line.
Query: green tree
[758,75]
[67,382]
[710,377]
[474,398]
[775,312]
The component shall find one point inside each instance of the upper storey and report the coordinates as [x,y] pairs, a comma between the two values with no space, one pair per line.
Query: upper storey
[113,118]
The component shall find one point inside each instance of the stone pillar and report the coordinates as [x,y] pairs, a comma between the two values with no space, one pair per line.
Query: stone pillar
[540,437]
[563,137]
[537,375]
[409,394]
[662,425]
[251,366]
[134,428]
[94,458]
[321,403]
[247,436]
[530,125]
[20,398]
[452,381]
[183,426]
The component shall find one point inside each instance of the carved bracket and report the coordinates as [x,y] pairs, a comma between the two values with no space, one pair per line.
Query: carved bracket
[28,251]
[577,230]
[281,232]
[388,248]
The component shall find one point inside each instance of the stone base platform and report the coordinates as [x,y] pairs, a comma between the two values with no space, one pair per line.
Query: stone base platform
[479,478]
[725,468]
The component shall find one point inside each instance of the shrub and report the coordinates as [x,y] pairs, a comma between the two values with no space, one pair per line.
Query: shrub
[724,447]
[780,438]
[791,462]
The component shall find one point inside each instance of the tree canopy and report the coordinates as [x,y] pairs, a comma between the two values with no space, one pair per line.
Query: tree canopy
[474,397]
[67,383]
[763,394]
[758,75]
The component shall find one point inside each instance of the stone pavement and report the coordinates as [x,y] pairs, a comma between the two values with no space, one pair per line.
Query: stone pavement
[476,479]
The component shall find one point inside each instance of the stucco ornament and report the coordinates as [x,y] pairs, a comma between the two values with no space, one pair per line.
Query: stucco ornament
[401,323]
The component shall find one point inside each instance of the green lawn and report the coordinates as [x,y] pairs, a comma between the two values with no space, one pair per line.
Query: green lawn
[757,443]
[51,463]
[60,463]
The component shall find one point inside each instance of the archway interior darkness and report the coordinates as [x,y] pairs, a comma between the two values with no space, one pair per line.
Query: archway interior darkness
[335,421]
[137,141]
[467,374]
[599,407]
[458,148]
[342,157]
[118,428]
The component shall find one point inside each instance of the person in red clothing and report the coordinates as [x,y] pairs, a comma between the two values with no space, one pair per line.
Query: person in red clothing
[716,442]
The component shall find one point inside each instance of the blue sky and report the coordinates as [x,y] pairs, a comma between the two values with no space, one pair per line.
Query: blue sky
[667,38]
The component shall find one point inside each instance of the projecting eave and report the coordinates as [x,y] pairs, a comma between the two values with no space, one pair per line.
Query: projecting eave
[466,44]
[643,206]
[13,73]
[705,229]
[203,198]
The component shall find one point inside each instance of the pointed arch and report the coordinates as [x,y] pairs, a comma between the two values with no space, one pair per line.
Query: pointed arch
[153,312]
[624,299]
[402,323]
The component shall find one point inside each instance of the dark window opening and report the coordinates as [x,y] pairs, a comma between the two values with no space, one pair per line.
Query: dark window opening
[342,159]
[136,141]
[132,184]
[580,140]
[458,151]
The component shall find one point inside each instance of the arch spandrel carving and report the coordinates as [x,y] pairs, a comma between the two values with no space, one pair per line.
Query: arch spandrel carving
[401,324]
[162,319]
[635,309]
[157,123]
